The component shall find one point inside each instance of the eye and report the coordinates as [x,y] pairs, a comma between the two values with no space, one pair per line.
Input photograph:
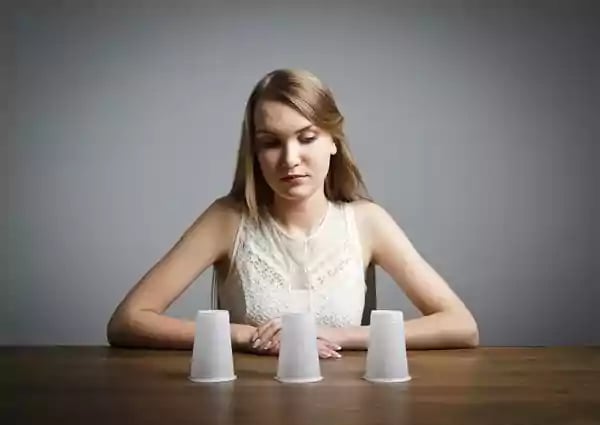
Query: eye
[308,139]
[268,143]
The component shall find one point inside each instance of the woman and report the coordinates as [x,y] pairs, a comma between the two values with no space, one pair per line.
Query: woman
[295,233]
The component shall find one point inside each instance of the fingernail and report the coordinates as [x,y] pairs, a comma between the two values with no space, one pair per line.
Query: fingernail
[256,343]
[338,347]
[337,355]
[267,345]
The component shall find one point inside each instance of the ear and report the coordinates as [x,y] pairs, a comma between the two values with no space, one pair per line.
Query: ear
[333,150]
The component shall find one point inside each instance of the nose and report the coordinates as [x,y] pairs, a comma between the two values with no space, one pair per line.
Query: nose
[291,154]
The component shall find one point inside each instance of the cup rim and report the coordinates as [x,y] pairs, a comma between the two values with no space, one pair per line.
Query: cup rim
[387,311]
[299,380]
[211,380]
[212,311]
[387,380]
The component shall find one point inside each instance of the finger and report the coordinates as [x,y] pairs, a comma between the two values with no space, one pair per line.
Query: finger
[268,338]
[275,343]
[264,352]
[263,342]
[326,352]
[331,345]
[329,354]
[272,346]
[267,345]
[264,327]
[256,339]
[260,329]
[267,334]
[324,355]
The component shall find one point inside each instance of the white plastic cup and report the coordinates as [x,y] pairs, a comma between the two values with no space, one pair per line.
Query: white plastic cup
[298,353]
[386,355]
[212,355]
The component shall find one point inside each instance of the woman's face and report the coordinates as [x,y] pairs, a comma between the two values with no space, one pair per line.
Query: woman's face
[293,153]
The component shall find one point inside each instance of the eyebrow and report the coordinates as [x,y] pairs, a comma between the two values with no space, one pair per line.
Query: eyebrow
[308,127]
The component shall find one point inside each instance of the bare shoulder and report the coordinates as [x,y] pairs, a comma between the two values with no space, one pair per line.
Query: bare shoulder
[369,214]
[227,209]
[219,222]
[223,207]
[371,220]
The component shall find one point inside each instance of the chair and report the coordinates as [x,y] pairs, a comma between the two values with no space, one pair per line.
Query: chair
[370,295]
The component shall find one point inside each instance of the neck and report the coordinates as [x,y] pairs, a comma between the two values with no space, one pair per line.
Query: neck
[300,217]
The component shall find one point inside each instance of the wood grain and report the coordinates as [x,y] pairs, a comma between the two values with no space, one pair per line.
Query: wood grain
[101,385]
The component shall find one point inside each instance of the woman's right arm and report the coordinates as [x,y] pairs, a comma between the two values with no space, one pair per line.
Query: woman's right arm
[138,320]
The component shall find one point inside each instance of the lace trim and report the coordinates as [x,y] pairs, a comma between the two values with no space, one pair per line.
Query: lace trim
[335,278]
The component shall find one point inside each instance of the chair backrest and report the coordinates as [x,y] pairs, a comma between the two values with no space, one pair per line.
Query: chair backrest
[370,294]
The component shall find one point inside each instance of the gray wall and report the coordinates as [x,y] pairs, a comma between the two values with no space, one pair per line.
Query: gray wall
[473,127]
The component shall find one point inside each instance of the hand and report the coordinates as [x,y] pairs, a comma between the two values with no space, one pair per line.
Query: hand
[241,336]
[328,349]
[269,349]
[263,337]
[266,340]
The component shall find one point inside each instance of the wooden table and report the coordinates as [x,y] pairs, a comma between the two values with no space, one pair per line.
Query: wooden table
[100,385]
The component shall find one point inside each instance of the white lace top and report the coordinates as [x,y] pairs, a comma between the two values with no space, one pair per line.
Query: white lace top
[273,273]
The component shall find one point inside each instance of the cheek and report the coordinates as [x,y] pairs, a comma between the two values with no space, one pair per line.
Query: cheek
[268,162]
[320,159]
[325,166]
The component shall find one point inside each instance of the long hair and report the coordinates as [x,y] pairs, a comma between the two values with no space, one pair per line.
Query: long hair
[304,92]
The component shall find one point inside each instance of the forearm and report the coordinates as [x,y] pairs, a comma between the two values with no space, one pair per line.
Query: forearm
[148,329]
[442,330]
[438,330]
[351,337]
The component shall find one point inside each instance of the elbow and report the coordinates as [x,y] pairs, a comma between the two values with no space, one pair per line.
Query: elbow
[113,332]
[117,330]
[472,338]
[460,330]
[469,332]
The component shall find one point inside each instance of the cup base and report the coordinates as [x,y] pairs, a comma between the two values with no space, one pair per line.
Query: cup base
[299,380]
[387,380]
[212,380]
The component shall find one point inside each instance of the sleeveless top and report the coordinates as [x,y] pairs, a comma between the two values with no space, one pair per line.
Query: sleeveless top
[272,273]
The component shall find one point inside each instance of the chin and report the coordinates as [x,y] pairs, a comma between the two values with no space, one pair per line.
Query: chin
[296,193]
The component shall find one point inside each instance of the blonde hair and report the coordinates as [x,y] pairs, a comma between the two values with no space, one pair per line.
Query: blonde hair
[303,91]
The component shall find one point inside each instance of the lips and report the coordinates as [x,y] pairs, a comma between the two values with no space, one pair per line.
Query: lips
[293,177]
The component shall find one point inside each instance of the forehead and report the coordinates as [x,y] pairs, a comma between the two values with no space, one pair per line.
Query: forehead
[277,117]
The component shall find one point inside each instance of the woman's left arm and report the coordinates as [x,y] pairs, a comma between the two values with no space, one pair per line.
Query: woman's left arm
[446,321]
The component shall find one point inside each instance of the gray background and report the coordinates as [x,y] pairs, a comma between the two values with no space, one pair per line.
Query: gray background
[473,125]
